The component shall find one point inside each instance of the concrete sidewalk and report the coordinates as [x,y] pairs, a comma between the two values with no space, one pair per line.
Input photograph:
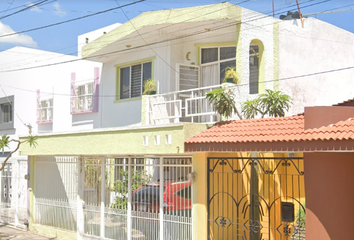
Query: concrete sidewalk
[8,232]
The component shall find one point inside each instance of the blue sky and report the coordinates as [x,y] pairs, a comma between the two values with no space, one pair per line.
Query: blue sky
[63,38]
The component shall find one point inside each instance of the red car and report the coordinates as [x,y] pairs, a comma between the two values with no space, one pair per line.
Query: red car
[177,197]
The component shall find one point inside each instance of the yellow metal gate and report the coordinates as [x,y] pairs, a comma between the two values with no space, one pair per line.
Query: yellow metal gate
[256,198]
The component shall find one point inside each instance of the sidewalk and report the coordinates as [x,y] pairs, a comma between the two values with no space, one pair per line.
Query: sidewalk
[8,232]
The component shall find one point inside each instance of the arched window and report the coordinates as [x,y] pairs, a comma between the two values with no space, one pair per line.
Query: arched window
[256,62]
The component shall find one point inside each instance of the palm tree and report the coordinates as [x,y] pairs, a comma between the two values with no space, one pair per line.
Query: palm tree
[223,102]
[271,103]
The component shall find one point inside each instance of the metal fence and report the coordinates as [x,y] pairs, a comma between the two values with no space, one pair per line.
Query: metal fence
[55,190]
[115,198]
[13,206]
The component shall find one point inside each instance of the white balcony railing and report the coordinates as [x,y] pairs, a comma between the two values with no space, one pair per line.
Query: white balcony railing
[181,106]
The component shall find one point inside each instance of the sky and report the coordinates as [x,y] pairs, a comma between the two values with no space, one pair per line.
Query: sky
[18,16]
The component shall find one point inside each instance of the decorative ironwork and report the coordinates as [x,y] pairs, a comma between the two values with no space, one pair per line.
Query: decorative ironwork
[253,210]
[223,222]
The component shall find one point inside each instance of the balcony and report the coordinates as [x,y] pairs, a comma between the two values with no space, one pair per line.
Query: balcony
[181,106]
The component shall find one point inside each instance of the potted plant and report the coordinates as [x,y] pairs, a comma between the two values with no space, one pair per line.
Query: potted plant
[150,87]
[231,75]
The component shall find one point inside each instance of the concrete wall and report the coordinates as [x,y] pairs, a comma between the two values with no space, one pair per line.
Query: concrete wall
[23,71]
[317,48]
[329,182]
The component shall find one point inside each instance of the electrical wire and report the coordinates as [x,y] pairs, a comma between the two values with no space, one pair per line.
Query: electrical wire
[70,20]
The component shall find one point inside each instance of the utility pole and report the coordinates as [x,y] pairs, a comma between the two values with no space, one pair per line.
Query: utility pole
[273,7]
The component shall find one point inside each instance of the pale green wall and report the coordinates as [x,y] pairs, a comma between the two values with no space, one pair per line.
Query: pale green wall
[127,141]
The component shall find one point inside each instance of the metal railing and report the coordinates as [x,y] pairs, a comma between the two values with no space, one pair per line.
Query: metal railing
[181,106]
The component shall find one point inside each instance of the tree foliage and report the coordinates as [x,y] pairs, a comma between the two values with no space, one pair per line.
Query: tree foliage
[121,186]
[5,141]
[271,104]
[223,102]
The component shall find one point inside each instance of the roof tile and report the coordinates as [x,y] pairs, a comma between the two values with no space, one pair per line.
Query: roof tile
[279,129]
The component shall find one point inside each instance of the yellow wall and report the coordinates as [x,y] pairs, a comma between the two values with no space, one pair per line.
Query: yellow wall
[232,193]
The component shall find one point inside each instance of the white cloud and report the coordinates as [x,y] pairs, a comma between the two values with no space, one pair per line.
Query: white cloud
[21,39]
[58,11]
[33,7]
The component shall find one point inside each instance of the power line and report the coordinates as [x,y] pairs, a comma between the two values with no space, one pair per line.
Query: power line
[242,84]
[148,45]
[70,20]
[249,20]
[23,9]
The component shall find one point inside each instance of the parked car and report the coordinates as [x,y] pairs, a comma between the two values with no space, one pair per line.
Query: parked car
[177,197]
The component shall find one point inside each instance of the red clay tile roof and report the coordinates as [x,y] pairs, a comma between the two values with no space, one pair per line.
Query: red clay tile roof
[349,102]
[281,129]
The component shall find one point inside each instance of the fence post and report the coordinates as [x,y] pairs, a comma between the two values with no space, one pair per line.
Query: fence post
[16,190]
[129,213]
[80,194]
[102,225]
[161,197]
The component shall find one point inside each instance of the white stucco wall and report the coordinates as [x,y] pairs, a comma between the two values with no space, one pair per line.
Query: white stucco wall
[20,76]
[317,48]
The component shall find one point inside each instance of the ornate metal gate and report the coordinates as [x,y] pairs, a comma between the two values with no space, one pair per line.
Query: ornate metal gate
[256,198]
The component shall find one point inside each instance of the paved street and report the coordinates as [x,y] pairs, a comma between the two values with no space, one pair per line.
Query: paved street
[8,232]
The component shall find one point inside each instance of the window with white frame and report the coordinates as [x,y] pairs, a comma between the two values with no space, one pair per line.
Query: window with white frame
[7,112]
[46,110]
[84,97]
[131,79]
[85,94]
[214,61]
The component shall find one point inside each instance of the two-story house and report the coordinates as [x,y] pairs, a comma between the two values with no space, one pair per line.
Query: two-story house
[127,175]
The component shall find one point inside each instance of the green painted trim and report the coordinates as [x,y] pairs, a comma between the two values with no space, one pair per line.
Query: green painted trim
[127,64]
[31,191]
[127,100]
[239,51]
[127,141]
[261,62]
[217,44]
[199,46]
[276,45]
[156,19]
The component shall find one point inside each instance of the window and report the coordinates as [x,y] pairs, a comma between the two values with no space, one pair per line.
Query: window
[254,69]
[84,95]
[84,99]
[6,112]
[46,110]
[131,79]
[213,62]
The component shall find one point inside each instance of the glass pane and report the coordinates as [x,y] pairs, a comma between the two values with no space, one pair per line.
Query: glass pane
[147,72]
[224,65]
[124,82]
[227,52]
[209,55]
[136,81]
